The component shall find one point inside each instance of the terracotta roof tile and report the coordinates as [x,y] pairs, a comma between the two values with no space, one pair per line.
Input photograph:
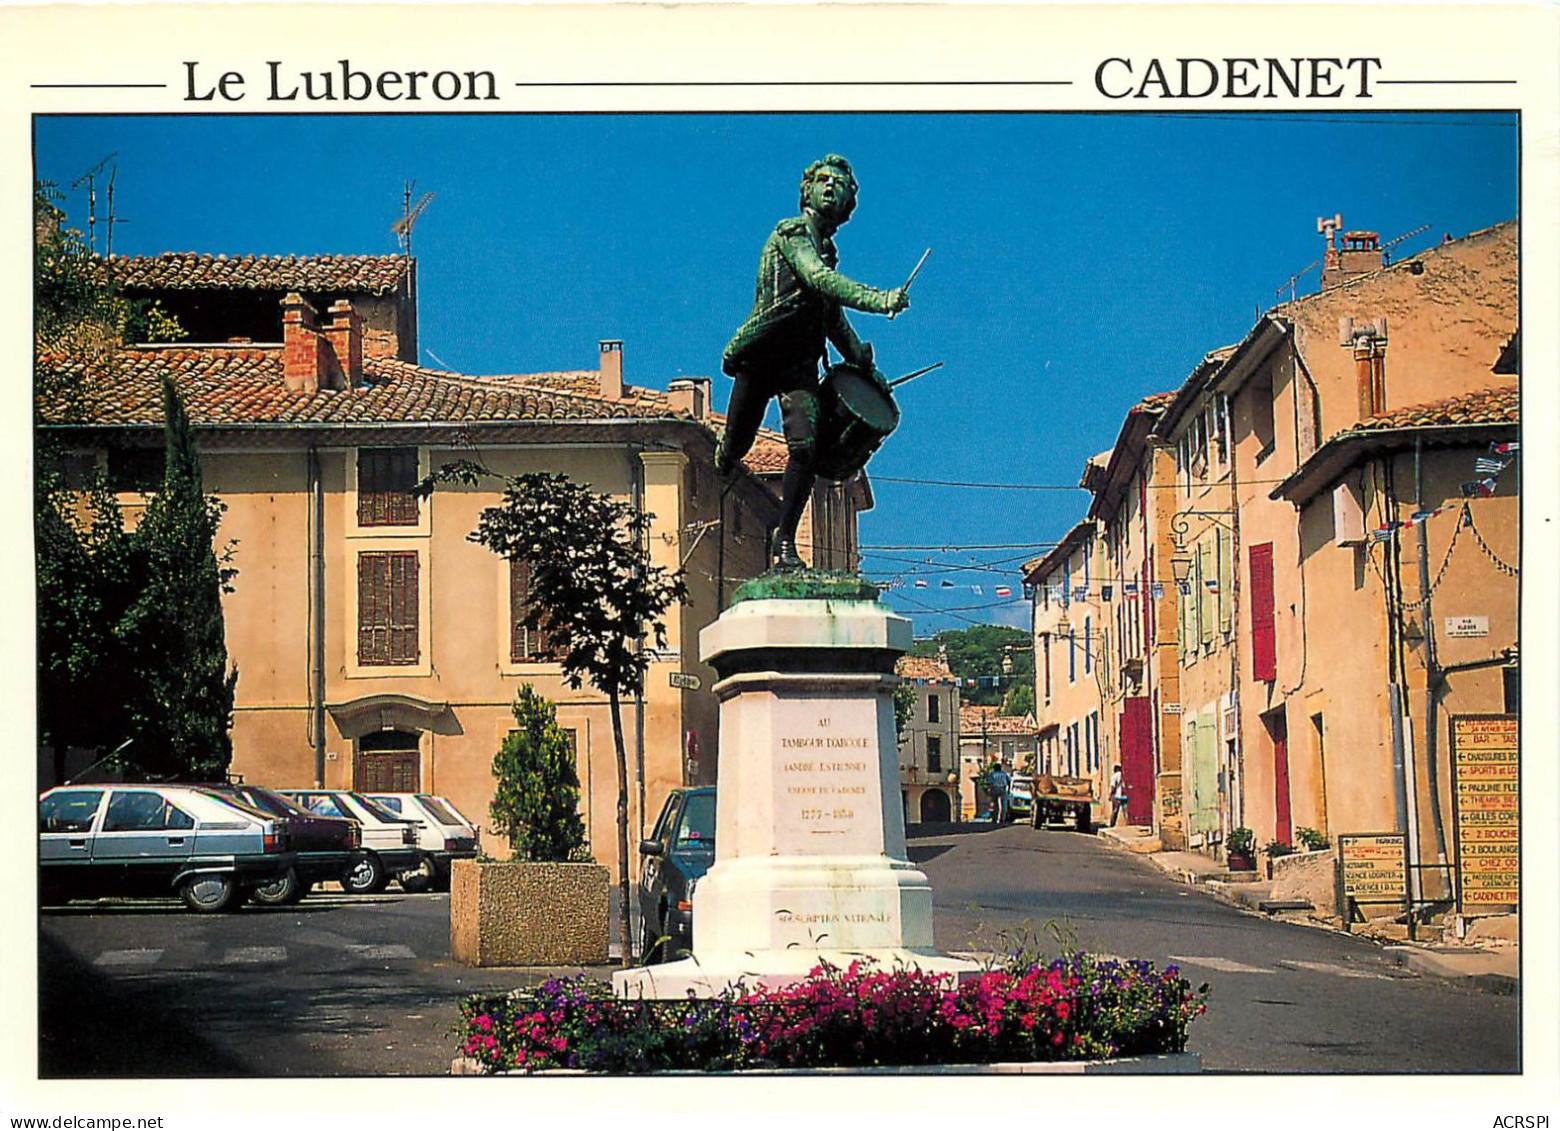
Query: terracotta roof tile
[1499,405]
[243,385]
[922,667]
[768,455]
[189,270]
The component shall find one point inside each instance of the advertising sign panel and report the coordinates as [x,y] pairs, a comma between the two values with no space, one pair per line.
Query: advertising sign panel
[1484,783]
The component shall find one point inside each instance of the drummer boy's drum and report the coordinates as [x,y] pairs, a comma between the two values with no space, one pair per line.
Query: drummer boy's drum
[855,415]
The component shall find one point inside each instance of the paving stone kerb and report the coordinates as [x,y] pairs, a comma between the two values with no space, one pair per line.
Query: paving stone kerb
[521,914]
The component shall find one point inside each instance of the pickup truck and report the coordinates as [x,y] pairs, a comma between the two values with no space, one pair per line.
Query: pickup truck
[1058,798]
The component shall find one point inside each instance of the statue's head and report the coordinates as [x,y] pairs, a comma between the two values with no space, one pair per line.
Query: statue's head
[829,188]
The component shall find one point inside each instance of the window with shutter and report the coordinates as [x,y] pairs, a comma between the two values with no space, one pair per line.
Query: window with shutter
[1225,546]
[1206,600]
[386,477]
[526,644]
[388,607]
[1264,652]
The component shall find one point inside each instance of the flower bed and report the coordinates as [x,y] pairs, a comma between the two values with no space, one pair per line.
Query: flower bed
[1075,1008]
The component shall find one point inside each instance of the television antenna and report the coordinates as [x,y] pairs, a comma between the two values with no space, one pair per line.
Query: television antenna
[409,214]
[89,178]
[108,246]
[1387,258]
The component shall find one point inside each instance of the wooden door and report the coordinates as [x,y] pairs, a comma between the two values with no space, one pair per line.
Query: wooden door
[1278,730]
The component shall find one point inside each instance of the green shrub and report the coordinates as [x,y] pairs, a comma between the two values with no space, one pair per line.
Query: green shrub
[536,799]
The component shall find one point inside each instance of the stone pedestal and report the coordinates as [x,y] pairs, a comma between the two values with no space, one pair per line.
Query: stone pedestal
[810,863]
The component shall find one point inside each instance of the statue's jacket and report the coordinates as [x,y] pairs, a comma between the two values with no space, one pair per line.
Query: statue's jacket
[798,302]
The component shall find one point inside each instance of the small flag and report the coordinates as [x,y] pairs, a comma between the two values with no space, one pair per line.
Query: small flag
[1510,447]
[1381,535]
[1106,592]
[1056,592]
[1080,592]
[1484,465]
[979,592]
[920,583]
[1004,591]
[1420,516]
[1479,489]
[945,584]
[1129,589]
[1211,585]
[1159,591]
[1185,587]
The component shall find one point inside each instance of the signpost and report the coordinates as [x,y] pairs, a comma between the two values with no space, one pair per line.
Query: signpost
[685,680]
[1487,817]
[1372,868]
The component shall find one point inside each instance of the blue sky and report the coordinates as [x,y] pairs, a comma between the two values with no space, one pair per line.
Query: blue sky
[1079,262]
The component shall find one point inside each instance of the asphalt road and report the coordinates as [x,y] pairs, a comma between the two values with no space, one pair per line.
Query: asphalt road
[1285,997]
[343,986]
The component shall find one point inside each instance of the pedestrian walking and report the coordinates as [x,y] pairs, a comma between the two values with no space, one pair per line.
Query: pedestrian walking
[1118,795]
[1000,783]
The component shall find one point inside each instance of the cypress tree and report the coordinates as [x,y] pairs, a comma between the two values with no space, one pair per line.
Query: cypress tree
[536,802]
[181,714]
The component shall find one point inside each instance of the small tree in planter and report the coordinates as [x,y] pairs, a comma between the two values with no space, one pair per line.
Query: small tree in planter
[536,802]
[548,904]
[593,590]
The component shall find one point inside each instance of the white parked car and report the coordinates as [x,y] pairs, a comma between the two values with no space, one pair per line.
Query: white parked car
[443,835]
[389,843]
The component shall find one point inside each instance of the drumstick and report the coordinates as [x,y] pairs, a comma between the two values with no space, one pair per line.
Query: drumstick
[914,272]
[912,376]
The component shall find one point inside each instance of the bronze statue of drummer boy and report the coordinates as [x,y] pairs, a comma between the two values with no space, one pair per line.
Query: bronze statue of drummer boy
[798,305]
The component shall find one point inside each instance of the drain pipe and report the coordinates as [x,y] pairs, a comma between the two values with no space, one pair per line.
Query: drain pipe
[636,480]
[317,615]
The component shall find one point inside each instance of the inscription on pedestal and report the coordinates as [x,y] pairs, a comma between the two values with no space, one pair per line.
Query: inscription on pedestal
[827,801]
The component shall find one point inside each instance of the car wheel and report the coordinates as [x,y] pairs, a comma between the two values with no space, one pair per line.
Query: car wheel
[279,892]
[419,879]
[211,893]
[1084,824]
[365,876]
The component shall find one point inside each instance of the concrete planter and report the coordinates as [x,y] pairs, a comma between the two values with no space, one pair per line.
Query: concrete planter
[1162,1064]
[1309,876]
[522,914]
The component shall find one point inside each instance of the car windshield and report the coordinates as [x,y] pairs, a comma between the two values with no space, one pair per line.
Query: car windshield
[272,802]
[393,804]
[696,828]
[437,809]
[376,811]
[241,805]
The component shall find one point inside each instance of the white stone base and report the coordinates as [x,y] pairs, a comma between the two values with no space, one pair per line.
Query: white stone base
[810,860]
[712,975]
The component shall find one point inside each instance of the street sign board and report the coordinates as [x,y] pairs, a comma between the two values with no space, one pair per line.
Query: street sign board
[1467,626]
[1487,818]
[1372,868]
[686,680]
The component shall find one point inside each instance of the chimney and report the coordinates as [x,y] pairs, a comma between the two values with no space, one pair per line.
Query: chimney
[690,396]
[1369,342]
[303,349]
[345,334]
[611,370]
[1359,255]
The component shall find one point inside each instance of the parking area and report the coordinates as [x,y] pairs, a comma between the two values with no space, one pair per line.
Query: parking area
[334,985]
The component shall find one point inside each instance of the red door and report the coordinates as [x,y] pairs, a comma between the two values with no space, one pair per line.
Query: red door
[1278,730]
[1137,759]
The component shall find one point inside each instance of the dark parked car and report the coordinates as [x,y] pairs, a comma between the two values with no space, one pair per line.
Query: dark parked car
[389,844]
[151,840]
[679,850]
[325,847]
